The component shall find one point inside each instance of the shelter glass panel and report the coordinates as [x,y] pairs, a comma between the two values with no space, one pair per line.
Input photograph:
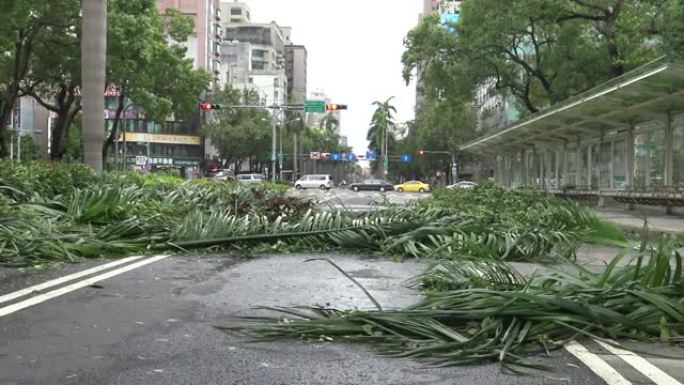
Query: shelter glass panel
[571,159]
[657,170]
[649,150]
[641,159]
[583,166]
[530,167]
[518,172]
[595,165]
[678,153]
[619,164]
[550,168]
[604,158]
[507,172]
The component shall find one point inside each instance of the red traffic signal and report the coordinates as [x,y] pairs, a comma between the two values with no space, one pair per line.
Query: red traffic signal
[208,106]
[335,107]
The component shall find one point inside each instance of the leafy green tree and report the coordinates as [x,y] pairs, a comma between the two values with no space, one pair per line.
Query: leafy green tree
[537,51]
[329,122]
[239,134]
[145,68]
[623,29]
[24,27]
[673,28]
[55,75]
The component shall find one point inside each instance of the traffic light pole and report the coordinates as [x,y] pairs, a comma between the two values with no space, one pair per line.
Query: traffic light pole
[274,118]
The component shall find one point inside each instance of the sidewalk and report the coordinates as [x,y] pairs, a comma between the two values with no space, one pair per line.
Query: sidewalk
[635,221]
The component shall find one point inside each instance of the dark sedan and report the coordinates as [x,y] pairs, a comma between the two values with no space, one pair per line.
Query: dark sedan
[372,185]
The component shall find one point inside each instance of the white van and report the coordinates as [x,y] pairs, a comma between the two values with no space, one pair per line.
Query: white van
[322,181]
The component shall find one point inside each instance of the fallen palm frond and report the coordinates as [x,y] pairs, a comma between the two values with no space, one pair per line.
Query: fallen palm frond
[477,311]
[121,213]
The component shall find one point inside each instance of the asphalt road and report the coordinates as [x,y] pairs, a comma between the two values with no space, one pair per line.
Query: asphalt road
[154,325]
[150,321]
[342,198]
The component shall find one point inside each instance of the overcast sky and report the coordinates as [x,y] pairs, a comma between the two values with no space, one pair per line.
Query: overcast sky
[354,49]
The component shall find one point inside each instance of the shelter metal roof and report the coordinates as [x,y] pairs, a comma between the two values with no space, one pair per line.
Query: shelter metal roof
[645,94]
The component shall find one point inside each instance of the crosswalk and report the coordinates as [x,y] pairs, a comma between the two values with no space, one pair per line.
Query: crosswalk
[619,366]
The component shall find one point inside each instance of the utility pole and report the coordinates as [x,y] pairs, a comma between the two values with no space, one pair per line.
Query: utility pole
[274,119]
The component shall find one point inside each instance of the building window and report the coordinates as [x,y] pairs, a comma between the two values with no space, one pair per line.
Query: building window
[236,11]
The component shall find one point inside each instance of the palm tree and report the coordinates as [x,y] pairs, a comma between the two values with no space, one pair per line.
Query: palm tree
[93,56]
[377,135]
[330,123]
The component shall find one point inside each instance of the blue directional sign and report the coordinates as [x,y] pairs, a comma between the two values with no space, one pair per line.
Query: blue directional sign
[371,155]
[406,158]
[351,157]
[336,156]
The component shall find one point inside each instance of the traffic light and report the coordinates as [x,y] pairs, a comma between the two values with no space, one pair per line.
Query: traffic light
[421,152]
[208,106]
[335,107]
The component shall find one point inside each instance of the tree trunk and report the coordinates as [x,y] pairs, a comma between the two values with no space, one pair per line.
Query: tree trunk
[93,56]
[5,113]
[60,133]
[616,68]
[22,52]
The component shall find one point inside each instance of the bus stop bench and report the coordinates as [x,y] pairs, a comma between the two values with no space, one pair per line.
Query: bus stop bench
[656,196]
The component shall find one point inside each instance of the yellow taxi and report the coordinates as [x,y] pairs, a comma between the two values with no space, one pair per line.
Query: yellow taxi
[412,185]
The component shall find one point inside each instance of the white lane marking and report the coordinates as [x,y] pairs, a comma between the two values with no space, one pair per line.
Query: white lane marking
[75,286]
[66,278]
[596,364]
[639,363]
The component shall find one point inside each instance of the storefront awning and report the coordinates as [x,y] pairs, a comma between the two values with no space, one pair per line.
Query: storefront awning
[645,94]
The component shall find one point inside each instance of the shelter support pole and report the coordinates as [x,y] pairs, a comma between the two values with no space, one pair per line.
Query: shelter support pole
[669,153]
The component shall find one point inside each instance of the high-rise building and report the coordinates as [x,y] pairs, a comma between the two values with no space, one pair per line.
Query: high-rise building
[203,45]
[296,70]
[253,57]
[235,12]
[261,57]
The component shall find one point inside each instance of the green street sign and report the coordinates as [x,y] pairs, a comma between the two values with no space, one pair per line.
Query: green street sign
[314,106]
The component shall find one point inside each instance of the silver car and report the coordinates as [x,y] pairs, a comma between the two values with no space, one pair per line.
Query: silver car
[250,178]
[466,184]
[321,181]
